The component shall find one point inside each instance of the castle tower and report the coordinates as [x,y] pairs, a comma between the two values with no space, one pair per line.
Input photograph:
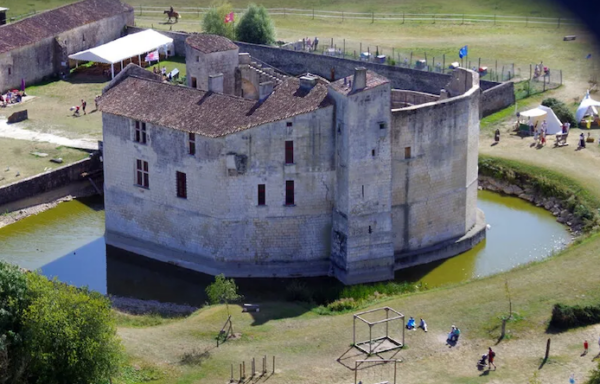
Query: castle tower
[362,245]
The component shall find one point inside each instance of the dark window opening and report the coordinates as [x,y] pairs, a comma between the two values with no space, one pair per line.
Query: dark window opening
[181,185]
[289,192]
[142,174]
[340,129]
[370,230]
[84,38]
[192,143]
[261,194]
[363,191]
[194,82]
[140,132]
[9,71]
[381,125]
[373,152]
[407,152]
[288,124]
[289,152]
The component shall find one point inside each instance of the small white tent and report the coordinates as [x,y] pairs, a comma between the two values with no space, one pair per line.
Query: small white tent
[126,47]
[588,107]
[541,113]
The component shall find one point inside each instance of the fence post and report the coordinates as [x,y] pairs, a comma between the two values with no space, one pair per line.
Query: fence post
[231,373]
[313,13]
[494,19]
[372,17]
[547,350]
[344,52]
[141,9]
[444,63]
[558,22]
[530,73]
[273,364]
[426,63]
[526,21]
[360,49]
[393,55]
[463,19]
[434,19]
[544,89]
[342,16]
[403,14]
[561,77]
[331,46]
[410,62]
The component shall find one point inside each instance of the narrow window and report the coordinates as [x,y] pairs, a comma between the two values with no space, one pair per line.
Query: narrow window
[370,230]
[181,185]
[289,192]
[407,152]
[84,38]
[381,125]
[9,71]
[192,143]
[288,124]
[363,191]
[140,132]
[197,59]
[373,153]
[289,152]
[142,177]
[194,82]
[261,194]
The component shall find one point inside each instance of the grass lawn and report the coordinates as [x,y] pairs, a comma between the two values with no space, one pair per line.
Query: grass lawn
[16,155]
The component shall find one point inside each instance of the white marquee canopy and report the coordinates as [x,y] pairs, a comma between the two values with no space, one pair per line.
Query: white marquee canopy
[124,48]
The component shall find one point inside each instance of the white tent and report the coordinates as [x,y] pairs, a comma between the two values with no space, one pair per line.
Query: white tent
[541,113]
[126,47]
[588,107]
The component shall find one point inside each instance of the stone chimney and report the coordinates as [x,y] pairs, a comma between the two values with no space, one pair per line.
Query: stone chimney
[244,58]
[215,83]
[360,79]
[264,90]
[307,82]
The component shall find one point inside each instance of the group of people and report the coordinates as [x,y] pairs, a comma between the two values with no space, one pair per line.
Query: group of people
[411,324]
[453,335]
[12,97]
[310,45]
[539,135]
[540,70]
[487,359]
[77,108]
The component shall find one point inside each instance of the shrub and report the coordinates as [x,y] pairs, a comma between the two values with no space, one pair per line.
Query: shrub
[342,305]
[565,317]
[595,376]
[561,110]
[214,21]
[256,26]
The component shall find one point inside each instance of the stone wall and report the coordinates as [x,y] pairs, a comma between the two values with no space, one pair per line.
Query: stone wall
[402,98]
[220,221]
[200,66]
[48,181]
[434,170]
[496,98]
[45,58]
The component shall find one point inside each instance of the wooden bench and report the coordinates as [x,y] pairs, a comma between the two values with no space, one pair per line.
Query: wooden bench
[251,308]
[569,38]
[561,140]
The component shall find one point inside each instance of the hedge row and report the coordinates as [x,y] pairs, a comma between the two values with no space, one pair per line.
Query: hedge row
[565,316]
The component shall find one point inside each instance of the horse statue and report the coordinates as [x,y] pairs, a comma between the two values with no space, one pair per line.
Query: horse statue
[172,15]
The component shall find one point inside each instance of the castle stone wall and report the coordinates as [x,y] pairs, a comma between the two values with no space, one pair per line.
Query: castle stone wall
[201,66]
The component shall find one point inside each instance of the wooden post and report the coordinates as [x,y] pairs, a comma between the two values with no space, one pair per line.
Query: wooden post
[241,375]
[231,379]
[244,368]
[530,72]
[344,51]
[395,368]
[410,62]
[273,364]
[253,367]
[370,339]
[426,58]
[313,13]
[265,364]
[561,77]
[444,63]
[526,21]
[463,19]
[387,312]
[547,350]
[355,371]
[354,331]
[372,17]
[433,63]
[503,329]
[342,16]
[558,22]
[494,19]
[393,53]
[403,15]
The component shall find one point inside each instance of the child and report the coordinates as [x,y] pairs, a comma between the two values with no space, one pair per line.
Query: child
[423,325]
[585,347]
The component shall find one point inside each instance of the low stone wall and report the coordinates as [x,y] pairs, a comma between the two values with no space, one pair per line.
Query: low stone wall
[496,98]
[402,98]
[47,181]
[527,192]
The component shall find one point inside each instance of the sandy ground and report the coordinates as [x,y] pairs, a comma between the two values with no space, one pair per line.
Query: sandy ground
[14,131]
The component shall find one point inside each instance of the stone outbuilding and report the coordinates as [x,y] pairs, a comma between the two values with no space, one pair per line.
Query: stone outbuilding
[38,46]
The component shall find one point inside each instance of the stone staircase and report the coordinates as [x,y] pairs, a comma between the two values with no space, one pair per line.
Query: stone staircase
[267,73]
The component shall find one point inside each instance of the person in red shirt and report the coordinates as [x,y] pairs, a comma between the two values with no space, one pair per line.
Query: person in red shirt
[491,356]
[585,347]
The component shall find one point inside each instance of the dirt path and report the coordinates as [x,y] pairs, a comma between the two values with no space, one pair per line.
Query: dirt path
[14,131]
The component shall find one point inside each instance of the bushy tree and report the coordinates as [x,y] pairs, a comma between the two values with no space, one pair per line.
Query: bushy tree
[13,301]
[256,26]
[223,291]
[214,21]
[71,334]
[595,376]
[560,110]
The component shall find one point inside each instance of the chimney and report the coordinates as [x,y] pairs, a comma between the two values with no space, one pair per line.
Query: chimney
[360,79]
[244,58]
[264,90]
[215,83]
[308,82]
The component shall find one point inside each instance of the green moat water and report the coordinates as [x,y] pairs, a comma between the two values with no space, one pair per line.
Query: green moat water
[67,242]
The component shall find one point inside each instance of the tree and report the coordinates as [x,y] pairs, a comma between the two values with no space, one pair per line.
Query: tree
[560,110]
[223,291]
[256,26]
[595,377]
[214,21]
[13,301]
[70,334]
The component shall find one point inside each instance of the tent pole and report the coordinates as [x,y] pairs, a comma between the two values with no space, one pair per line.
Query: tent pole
[121,65]
[140,60]
[76,63]
[112,70]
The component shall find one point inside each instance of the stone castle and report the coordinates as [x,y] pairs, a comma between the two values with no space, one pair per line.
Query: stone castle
[251,172]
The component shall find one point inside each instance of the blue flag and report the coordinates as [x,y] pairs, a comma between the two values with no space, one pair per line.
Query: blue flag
[589,56]
[463,52]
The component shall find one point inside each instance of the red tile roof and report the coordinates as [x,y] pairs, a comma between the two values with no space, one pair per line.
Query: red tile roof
[206,43]
[373,80]
[207,113]
[53,22]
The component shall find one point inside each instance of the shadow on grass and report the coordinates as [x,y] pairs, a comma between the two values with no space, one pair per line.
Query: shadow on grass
[279,310]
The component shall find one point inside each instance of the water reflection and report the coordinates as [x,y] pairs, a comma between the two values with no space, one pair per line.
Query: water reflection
[67,242]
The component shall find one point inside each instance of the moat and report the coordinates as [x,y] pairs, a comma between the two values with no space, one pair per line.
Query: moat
[67,242]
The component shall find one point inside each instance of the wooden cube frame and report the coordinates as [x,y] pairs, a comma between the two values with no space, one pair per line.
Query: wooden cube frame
[384,343]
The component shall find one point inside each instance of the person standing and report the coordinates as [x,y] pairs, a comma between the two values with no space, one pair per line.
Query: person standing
[315,43]
[83,105]
[491,356]
[585,347]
